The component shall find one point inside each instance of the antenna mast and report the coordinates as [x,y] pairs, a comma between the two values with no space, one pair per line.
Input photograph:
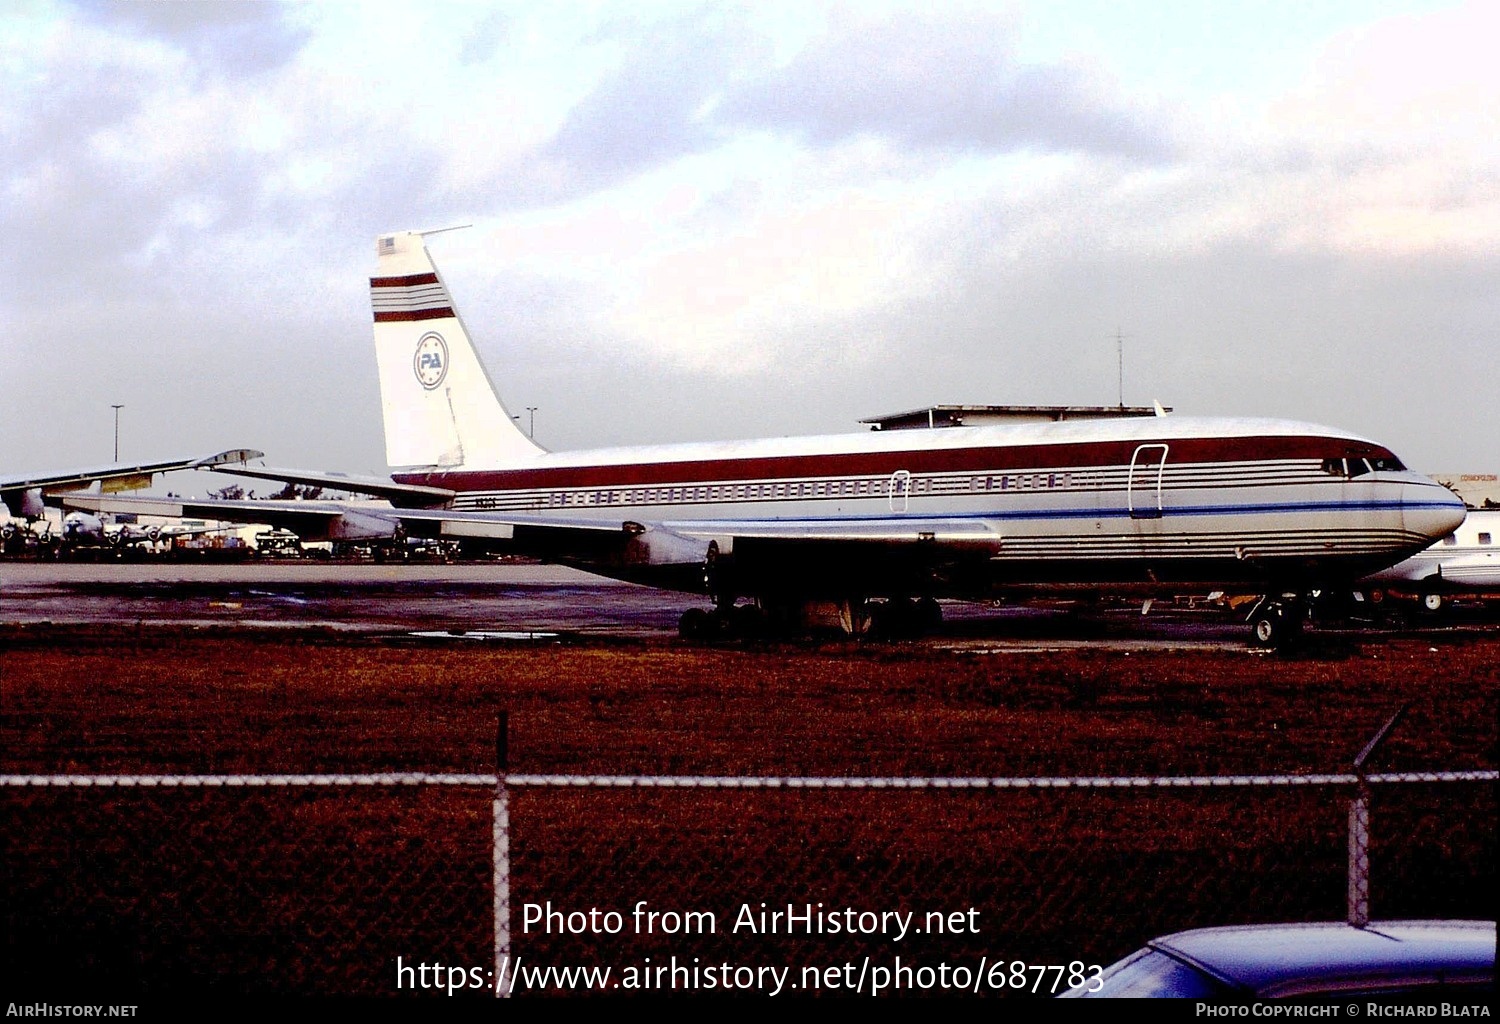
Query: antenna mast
[1120,364]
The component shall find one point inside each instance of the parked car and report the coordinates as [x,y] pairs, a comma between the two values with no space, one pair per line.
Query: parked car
[1441,960]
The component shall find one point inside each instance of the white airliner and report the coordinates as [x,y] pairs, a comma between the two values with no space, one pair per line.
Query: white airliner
[802,526]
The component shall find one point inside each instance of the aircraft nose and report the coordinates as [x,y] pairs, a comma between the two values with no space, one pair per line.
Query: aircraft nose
[1432,510]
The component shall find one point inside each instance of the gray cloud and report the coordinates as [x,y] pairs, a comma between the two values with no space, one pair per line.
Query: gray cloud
[646,112]
[223,37]
[486,38]
[936,83]
[948,82]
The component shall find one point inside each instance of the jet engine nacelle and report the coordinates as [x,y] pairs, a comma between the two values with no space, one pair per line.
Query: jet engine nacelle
[361,526]
[663,547]
[26,504]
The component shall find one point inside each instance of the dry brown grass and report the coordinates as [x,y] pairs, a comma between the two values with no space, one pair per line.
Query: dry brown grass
[258,886]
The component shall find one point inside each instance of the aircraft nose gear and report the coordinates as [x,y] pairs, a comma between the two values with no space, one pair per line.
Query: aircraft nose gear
[1276,621]
[711,573]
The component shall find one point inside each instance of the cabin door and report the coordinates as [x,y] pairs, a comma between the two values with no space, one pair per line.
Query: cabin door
[1143,491]
[900,490]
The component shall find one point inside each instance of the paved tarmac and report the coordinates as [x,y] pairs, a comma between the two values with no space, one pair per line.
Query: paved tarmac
[508,601]
[477,601]
[357,597]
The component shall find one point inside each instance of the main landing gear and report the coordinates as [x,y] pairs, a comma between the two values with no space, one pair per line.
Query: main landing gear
[733,622]
[1277,620]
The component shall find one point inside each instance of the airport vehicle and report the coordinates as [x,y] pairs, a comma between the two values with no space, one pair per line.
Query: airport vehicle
[1465,562]
[867,527]
[1451,961]
[278,544]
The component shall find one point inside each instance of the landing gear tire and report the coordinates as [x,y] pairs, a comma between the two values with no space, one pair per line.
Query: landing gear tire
[1267,629]
[695,624]
[929,614]
[893,620]
[1276,624]
[735,621]
[747,621]
[901,618]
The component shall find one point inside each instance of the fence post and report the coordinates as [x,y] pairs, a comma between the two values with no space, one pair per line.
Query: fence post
[1359,830]
[1359,855]
[501,835]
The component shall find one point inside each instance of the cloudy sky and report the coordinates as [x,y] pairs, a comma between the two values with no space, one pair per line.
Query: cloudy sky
[698,221]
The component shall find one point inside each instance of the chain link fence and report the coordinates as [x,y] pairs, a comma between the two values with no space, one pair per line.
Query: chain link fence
[389,884]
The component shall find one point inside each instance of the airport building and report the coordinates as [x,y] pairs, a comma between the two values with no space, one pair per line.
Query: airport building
[1478,490]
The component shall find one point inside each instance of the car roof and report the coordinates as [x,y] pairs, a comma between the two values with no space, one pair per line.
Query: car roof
[1277,957]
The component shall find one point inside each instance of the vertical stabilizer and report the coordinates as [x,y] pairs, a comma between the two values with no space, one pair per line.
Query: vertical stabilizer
[441,409]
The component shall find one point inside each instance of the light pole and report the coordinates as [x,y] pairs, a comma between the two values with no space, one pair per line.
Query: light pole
[117,409]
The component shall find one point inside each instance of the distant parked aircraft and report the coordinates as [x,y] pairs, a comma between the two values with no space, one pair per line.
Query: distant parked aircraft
[1466,561]
[26,496]
[84,529]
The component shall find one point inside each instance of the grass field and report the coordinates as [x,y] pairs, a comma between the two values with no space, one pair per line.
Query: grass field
[318,891]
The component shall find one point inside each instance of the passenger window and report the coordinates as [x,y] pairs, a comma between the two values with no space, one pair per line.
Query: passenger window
[1484,538]
[1452,538]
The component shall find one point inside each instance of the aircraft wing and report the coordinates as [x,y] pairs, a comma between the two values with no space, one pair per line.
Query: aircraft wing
[584,540]
[502,526]
[948,532]
[378,487]
[314,520]
[682,553]
[25,493]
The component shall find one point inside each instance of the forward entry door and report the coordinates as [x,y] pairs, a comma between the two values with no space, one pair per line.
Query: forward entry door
[1143,491]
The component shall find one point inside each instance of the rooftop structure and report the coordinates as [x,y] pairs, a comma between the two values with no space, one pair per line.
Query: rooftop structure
[976,415]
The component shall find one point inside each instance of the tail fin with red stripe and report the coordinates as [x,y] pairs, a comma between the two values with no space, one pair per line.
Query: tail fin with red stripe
[440,407]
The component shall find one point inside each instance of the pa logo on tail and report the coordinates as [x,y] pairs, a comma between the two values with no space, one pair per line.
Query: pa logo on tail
[431,360]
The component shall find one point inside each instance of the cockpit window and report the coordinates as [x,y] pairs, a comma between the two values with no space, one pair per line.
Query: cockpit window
[1353,467]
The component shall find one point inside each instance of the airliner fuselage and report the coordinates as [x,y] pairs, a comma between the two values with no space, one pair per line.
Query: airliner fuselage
[1136,503]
